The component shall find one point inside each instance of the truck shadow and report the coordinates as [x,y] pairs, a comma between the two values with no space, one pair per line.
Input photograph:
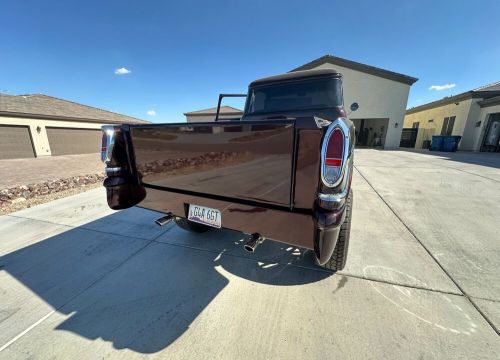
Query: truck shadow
[137,294]
[486,159]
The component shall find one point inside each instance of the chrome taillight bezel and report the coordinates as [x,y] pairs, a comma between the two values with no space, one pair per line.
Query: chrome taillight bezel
[340,124]
[109,134]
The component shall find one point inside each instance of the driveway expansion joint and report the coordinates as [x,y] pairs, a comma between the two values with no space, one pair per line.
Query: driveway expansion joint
[471,173]
[318,269]
[468,297]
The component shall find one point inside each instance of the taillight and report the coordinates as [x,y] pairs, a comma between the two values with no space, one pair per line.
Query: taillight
[104,146]
[333,155]
[108,141]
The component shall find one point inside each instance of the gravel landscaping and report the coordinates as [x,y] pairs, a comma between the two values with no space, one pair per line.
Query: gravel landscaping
[24,196]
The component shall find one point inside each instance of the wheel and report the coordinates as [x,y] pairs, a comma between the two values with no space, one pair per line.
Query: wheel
[339,256]
[191,225]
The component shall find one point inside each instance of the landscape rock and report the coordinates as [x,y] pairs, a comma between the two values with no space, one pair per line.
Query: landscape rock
[20,194]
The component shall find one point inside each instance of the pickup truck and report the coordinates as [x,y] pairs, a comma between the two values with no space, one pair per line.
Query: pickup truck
[282,172]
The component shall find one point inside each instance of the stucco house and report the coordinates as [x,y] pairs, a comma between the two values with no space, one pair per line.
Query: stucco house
[474,115]
[40,125]
[382,96]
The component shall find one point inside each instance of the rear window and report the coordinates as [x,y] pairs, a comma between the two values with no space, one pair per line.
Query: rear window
[298,95]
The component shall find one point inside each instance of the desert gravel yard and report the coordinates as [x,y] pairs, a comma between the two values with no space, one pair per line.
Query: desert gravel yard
[78,280]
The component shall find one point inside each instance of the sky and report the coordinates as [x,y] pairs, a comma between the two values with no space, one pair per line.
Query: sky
[155,60]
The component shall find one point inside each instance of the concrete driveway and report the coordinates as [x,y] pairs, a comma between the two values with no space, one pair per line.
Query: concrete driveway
[78,280]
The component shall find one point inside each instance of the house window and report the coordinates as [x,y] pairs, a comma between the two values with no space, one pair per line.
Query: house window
[415,125]
[448,125]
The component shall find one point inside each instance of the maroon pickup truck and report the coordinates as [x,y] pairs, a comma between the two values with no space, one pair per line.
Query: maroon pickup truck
[281,172]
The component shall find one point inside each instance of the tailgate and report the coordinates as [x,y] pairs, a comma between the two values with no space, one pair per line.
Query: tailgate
[239,160]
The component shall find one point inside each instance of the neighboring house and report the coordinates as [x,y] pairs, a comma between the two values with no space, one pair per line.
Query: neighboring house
[382,96]
[41,125]
[474,115]
[206,115]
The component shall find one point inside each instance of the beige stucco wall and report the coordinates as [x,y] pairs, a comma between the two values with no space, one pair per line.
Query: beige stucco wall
[207,118]
[469,130]
[427,129]
[377,97]
[40,139]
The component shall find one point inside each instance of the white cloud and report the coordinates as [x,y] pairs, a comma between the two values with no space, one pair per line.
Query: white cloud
[151,113]
[442,87]
[122,71]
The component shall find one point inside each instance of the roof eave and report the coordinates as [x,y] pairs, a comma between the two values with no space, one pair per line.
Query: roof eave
[67,118]
[459,97]
[490,102]
[372,70]
[471,94]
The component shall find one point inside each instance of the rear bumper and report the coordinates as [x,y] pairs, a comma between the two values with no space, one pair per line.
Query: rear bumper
[316,230]
[295,228]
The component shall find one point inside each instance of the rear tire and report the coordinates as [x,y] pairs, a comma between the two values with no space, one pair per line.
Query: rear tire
[339,257]
[191,225]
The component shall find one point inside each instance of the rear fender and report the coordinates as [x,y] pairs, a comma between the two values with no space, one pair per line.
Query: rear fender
[327,224]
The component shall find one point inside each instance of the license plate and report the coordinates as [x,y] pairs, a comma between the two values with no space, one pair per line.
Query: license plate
[204,215]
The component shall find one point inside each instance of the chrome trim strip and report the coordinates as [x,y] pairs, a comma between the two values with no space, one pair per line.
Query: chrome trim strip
[109,132]
[111,171]
[337,123]
[337,198]
[320,122]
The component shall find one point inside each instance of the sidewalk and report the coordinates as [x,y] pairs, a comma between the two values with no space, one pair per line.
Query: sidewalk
[17,172]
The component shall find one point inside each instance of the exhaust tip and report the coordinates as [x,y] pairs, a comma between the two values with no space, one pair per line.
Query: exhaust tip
[164,220]
[249,248]
[253,242]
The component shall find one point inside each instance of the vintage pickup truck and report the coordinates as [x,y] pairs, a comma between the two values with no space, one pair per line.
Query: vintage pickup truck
[282,172]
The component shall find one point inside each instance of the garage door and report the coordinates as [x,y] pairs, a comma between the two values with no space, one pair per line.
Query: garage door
[15,142]
[64,141]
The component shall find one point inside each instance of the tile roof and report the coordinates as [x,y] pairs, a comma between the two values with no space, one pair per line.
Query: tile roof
[490,87]
[49,107]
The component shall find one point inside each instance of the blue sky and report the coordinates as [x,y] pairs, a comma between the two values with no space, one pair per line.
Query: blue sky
[181,54]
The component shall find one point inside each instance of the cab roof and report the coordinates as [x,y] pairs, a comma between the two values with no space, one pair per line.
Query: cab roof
[296,75]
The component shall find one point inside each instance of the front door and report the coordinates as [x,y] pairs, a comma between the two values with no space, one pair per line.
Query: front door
[492,134]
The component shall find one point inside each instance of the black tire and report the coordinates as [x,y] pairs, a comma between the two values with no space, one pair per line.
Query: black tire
[192,226]
[339,257]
